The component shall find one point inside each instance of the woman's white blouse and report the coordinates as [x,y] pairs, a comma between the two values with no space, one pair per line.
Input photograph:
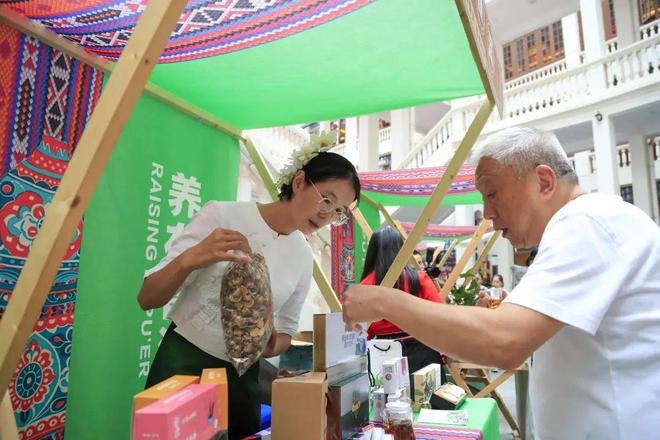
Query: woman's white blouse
[196,309]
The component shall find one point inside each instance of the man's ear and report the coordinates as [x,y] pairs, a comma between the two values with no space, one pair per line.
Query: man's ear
[547,180]
[298,181]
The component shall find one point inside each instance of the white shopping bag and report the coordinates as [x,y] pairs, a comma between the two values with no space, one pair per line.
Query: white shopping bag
[381,350]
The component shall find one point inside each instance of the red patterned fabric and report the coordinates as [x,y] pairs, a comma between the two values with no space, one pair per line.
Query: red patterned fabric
[442,232]
[417,182]
[343,257]
[45,100]
[206,28]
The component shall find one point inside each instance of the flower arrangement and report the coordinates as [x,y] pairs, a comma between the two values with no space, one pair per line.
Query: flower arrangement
[299,158]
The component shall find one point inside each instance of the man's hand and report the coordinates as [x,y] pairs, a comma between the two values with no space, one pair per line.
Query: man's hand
[364,304]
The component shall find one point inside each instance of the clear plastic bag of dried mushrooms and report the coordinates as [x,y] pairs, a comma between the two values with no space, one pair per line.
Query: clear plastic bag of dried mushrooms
[247,311]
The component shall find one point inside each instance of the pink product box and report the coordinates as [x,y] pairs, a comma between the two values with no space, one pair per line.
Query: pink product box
[187,414]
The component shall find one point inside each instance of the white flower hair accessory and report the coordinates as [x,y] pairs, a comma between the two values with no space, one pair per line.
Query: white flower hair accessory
[299,158]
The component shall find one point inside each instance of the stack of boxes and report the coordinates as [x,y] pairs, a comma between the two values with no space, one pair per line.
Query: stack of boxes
[426,382]
[299,407]
[396,385]
[340,358]
[182,407]
[342,354]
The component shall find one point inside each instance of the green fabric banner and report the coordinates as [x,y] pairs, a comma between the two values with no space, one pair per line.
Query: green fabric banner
[389,54]
[470,198]
[164,168]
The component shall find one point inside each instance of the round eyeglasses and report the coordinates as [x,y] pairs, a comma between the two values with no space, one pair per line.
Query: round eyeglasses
[327,206]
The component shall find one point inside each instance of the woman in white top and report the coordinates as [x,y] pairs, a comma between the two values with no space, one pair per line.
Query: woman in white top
[315,192]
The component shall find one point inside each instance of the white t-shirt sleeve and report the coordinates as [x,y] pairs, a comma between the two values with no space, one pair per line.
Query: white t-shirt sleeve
[202,224]
[576,275]
[288,317]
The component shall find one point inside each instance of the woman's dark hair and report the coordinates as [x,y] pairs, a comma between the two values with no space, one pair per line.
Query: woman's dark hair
[383,247]
[326,166]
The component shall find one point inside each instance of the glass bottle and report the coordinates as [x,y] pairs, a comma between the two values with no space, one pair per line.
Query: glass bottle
[398,418]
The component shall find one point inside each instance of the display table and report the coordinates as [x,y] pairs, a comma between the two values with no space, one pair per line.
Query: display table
[482,417]
[483,423]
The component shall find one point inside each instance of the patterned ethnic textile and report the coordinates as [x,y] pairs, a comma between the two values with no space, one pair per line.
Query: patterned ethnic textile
[442,232]
[45,101]
[417,182]
[205,29]
[343,257]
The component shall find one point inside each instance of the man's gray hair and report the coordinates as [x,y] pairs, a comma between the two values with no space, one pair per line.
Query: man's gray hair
[523,149]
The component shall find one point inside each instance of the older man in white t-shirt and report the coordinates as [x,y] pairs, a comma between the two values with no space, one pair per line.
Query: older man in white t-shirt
[588,307]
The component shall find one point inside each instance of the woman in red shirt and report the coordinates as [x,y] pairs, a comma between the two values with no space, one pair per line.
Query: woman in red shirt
[383,247]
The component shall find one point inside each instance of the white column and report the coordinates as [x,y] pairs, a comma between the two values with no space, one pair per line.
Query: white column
[627,22]
[593,29]
[324,126]
[504,252]
[464,217]
[606,161]
[582,163]
[368,142]
[401,130]
[643,174]
[571,37]
[583,169]
[351,150]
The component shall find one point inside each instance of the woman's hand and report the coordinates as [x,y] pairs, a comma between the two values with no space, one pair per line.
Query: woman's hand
[217,246]
[277,344]
[269,349]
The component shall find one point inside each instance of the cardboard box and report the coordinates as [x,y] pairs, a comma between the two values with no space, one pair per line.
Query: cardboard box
[218,376]
[378,401]
[188,413]
[425,382]
[334,344]
[395,375]
[299,405]
[349,368]
[348,407]
[161,390]
[448,396]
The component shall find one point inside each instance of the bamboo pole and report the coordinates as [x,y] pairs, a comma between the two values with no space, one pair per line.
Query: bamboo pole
[52,39]
[471,247]
[8,429]
[438,193]
[482,256]
[92,153]
[319,276]
[445,257]
[369,200]
[362,221]
[496,383]
[397,227]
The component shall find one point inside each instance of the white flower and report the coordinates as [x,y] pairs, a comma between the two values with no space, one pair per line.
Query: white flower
[300,158]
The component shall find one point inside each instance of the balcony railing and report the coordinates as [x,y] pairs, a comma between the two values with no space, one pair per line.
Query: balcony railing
[650,30]
[636,63]
[384,134]
[548,91]
[438,137]
[550,69]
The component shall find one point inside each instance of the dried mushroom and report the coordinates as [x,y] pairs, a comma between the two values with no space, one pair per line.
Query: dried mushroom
[247,311]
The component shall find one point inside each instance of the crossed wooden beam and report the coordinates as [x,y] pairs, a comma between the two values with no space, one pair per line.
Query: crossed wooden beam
[128,79]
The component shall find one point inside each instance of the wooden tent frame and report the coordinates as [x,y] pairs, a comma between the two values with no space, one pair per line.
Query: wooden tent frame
[128,79]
